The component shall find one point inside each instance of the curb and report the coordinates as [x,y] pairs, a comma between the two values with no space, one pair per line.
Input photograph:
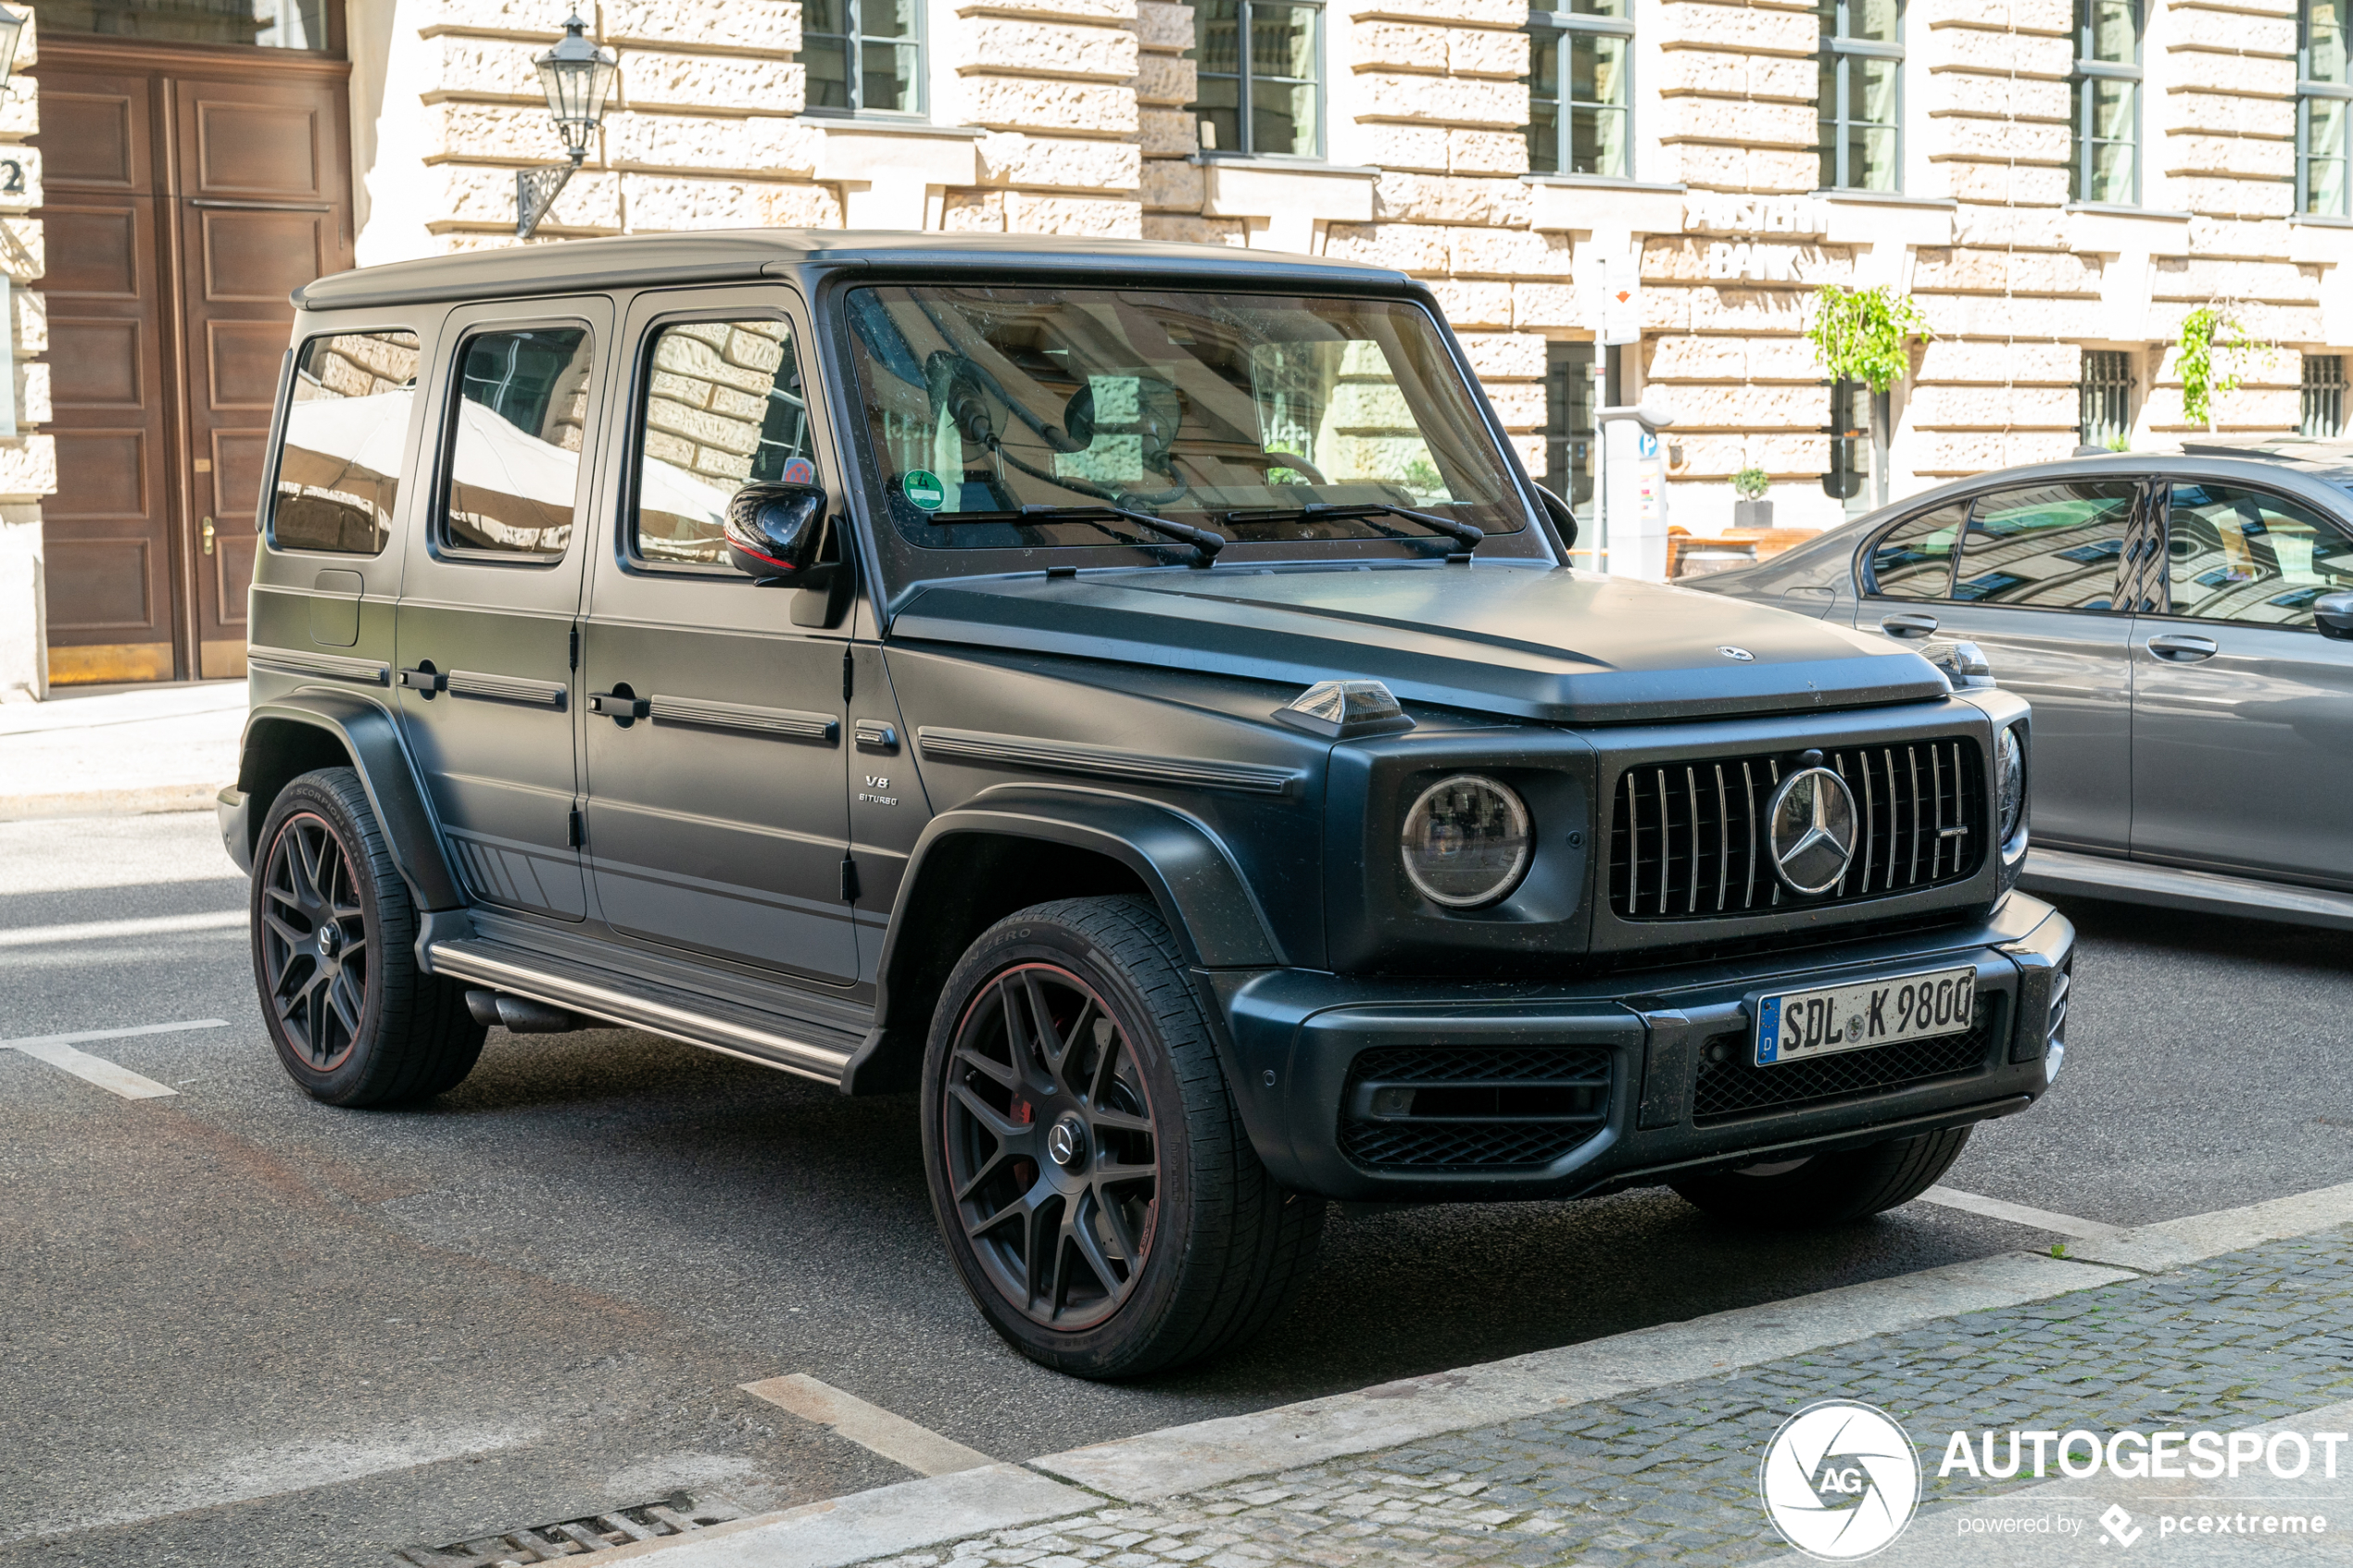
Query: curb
[891,1520]
[108,802]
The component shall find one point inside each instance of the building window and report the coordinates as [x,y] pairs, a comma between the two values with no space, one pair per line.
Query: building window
[2105,402]
[1862,102]
[271,24]
[1261,77]
[1579,89]
[2323,108]
[2323,414]
[863,56]
[2107,102]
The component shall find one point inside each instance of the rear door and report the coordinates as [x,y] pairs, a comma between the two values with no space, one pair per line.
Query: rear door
[2242,711]
[718,789]
[484,632]
[2030,574]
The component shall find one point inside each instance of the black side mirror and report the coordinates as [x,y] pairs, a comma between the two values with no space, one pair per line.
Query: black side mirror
[2333,615]
[1563,518]
[774,531]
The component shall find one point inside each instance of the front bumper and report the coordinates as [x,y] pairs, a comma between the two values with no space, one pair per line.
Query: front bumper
[1612,1083]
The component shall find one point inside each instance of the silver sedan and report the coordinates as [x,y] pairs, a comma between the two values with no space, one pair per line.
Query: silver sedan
[2183,627]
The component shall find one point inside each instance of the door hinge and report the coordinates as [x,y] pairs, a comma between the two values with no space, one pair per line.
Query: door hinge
[848,670]
[576,832]
[574,654]
[848,880]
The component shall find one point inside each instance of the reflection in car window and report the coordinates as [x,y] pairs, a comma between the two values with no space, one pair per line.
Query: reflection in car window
[723,408]
[2242,555]
[2052,545]
[1914,560]
[345,427]
[514,456]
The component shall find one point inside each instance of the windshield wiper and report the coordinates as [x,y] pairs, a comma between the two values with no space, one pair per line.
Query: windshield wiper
[1467,535]
[1207,541]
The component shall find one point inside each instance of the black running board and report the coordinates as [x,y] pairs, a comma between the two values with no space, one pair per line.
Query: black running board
[662,1009]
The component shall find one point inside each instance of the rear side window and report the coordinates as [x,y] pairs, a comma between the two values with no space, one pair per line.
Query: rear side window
[1914,559]
[2242,555]
[2054,547]
[512,483]
[723,408]
[346,427]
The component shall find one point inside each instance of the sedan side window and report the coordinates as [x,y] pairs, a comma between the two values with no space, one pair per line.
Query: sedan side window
[2242,555]
[1914,559]
[2054,547]
[723,407]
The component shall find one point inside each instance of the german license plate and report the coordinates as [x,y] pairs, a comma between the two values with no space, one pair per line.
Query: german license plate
[1800,1025]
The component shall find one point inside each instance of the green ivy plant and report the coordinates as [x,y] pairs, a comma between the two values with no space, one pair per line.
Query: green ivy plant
[1866,334]
[2204,330]
[1751,484]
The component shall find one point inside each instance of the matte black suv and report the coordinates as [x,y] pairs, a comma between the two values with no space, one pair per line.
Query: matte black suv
[1131,695]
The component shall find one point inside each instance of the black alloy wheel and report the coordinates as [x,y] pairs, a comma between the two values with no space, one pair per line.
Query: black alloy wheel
[314,941]
[1051,1147]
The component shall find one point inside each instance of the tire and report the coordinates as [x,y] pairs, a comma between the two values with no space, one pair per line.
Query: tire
[354,1021]
[1157,1237]
[1828,1189]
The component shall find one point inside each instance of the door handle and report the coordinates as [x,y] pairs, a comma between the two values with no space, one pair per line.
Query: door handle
[620,705]
[2183,647]
[207,532]
[1908,624]
[424,678]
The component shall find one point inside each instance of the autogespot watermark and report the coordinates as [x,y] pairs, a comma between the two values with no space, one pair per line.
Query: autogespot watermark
[1841,1480]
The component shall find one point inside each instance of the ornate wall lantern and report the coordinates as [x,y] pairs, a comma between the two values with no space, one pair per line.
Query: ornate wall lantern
[576,76]
[11,32]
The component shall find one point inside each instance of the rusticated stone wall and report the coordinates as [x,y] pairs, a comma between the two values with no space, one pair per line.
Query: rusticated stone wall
[28,459]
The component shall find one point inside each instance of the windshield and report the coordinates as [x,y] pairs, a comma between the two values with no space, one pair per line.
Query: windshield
[1296,424]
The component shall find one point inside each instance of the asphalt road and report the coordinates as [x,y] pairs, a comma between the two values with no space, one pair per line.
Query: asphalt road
[240,1327]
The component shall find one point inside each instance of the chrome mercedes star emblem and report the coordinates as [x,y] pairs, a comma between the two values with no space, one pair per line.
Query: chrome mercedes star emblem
[1810,830]
[1729,651]
[1066,1141]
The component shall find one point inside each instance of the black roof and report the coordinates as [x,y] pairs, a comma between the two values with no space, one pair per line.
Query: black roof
[719,255]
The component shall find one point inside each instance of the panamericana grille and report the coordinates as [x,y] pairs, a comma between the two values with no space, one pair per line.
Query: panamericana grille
[1737,1086]
[1687,840]
[1472,1108]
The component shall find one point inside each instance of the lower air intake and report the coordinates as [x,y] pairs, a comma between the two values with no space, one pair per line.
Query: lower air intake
[1472,1108]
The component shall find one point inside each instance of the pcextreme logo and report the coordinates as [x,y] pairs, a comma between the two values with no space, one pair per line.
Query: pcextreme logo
[1840,1480]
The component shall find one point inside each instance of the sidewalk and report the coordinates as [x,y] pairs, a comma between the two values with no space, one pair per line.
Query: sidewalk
[2153,1330]
[125,752]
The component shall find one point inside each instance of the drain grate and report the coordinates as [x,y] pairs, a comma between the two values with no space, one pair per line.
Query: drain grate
[680,1513]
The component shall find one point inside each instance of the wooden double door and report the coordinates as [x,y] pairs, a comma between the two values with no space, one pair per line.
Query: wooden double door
[187,192]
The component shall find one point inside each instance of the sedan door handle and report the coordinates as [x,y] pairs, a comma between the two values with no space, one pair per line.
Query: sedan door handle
[2181,648]
[1908,624]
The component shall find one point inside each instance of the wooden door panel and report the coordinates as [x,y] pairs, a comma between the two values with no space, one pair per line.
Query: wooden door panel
[261,258]
[106,580]
[97,252]
[95,132]
[241,367]
[102,476]
[96,364]
[240,457]
[270,150]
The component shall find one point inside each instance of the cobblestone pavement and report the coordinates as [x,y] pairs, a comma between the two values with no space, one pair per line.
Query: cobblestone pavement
[1671,1475]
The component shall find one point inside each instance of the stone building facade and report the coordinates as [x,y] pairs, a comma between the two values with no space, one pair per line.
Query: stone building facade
[1632,201]
[27,458]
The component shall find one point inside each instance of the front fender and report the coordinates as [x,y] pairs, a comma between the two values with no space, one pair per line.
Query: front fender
[371,739]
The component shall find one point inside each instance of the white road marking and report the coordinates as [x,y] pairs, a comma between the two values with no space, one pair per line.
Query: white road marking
[114,930]
[2017,1213]
[58,1051]
[269,1472]
[870,1426]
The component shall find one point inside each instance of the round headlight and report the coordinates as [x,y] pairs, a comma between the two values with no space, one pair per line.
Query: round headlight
[2012,781]
[1465,842]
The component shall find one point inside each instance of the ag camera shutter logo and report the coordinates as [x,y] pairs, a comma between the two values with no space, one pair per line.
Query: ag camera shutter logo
[1840,1480]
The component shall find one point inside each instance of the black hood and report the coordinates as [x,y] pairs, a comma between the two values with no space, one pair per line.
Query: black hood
[1527,643]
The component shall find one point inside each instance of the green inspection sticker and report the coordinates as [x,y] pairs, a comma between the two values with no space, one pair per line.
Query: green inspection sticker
[923,487]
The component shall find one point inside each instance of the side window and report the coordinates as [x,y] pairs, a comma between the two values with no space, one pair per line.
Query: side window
[1914,559]
[723,407]
[2244,555]
[2055,547]
[513,453]
[346,426]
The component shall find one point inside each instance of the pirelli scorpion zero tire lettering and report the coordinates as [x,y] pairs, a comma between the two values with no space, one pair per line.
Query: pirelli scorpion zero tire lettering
[353,1019]
[1088,1166]
[1828,1189]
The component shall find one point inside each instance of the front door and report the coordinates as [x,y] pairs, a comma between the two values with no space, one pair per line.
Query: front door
[187,193]
[2030,575]
[2242,711]
[484,633]
[718,802]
